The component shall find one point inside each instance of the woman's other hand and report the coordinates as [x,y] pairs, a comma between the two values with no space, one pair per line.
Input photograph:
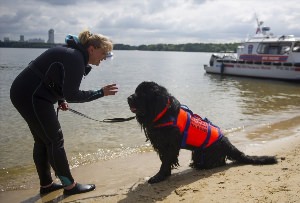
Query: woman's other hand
[64,106]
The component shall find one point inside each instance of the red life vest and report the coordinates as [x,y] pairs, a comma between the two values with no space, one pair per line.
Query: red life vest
[197,132]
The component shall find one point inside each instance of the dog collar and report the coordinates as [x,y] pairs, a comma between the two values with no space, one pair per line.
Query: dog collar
[162,112]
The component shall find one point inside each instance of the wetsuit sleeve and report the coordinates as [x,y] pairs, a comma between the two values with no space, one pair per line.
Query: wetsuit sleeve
[74,71]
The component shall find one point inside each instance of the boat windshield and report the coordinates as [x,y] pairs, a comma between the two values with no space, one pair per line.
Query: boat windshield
[274,48]
[296,47]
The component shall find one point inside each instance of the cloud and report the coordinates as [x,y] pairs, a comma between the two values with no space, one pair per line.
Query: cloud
[58,2]
[138,22]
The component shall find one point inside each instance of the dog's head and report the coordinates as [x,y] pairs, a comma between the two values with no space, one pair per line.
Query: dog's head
[148,101]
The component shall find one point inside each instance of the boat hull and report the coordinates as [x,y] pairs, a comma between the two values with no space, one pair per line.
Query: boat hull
[284,71]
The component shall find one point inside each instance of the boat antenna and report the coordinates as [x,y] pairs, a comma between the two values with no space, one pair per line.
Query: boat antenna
[259,23]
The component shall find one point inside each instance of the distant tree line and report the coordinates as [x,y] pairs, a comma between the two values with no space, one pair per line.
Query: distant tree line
[16,44]
[189,47]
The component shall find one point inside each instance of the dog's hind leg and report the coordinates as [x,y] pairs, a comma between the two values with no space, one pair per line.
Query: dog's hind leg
[208,158]
[234,154]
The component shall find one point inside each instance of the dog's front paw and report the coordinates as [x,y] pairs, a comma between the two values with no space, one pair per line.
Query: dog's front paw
[157,178]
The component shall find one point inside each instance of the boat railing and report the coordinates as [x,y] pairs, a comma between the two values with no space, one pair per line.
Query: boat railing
[277,63]
[248,62]
[267,63]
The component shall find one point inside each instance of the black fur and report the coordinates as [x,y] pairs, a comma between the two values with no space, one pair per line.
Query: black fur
[147,102]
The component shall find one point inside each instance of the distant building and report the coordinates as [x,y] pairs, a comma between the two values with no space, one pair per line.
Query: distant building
[6,39]
[36,40]
[50,36]
[22,38]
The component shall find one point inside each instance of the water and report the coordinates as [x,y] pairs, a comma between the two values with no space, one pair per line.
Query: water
[251,111]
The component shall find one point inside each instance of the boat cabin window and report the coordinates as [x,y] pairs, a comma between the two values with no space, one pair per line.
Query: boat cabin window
[274,48]
[296,47]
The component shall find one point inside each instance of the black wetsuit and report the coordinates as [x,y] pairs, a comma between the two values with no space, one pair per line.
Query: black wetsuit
[53,76]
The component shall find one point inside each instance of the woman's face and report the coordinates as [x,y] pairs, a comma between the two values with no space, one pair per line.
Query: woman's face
[96,55]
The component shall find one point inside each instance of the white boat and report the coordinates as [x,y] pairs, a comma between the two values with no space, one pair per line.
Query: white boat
[263,55]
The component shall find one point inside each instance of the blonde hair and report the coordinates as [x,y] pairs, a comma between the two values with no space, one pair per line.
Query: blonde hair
[87,39]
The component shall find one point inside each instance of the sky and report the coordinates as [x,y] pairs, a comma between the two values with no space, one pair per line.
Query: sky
[144,22]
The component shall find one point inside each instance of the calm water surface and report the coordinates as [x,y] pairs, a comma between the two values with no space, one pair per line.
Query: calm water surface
[249,110]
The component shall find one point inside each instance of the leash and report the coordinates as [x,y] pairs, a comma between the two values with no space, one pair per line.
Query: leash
[107,120]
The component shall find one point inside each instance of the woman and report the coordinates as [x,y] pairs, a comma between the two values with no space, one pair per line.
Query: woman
[55,76]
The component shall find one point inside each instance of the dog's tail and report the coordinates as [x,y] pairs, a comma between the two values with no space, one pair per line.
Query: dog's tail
[234,154]
[257,160]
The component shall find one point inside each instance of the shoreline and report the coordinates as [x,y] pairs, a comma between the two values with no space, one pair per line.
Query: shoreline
[125,179]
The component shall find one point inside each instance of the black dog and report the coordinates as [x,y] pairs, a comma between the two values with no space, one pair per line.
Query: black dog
[170,126]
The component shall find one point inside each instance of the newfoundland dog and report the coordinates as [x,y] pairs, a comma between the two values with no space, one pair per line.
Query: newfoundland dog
[171,126]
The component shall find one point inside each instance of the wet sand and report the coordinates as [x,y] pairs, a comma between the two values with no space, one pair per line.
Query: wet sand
[125,179]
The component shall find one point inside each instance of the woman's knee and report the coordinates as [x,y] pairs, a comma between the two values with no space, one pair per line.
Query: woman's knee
[58,140]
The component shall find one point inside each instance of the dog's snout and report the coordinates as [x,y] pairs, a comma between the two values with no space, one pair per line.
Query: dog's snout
[131,103]
[130,98]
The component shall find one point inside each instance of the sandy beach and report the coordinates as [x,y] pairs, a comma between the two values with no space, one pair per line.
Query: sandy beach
[125,180]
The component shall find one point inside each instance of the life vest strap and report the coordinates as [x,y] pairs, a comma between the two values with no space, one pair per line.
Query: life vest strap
[207,137]
[163,111]
[164,124]
[185,131]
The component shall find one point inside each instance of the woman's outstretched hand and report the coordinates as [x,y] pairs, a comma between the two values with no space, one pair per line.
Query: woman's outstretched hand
[110,89]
